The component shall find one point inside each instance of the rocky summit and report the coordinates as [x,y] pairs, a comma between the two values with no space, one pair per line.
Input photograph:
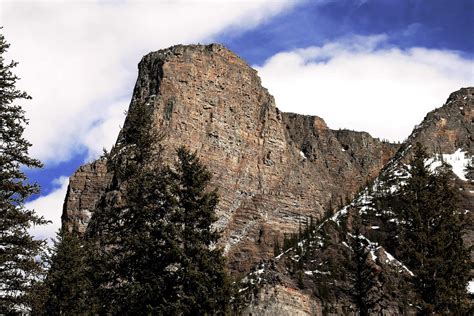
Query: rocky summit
[273,170]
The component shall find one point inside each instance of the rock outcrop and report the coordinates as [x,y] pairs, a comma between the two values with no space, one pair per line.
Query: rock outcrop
[273,169]
[86,186]
[448,128]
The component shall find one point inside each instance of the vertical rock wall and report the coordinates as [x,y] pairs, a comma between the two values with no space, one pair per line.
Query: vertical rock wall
[273,170]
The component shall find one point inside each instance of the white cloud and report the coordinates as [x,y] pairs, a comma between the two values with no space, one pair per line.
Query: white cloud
[78,58]
[361,84]
[104,132]
[50,207]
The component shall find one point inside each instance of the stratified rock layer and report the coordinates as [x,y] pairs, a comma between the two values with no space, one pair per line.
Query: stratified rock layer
[273,170]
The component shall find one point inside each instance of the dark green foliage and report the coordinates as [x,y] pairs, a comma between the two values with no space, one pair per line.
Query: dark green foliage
[67,285]
[133,244]
[290,241]
[18,268]
[129,241]
[300,277]
[204,287]
[430,236]
[360,272]
[153,245]
[276,247]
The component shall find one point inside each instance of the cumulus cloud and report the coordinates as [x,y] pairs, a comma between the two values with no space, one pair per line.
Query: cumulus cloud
[362,83]
[50,207]
[78,59]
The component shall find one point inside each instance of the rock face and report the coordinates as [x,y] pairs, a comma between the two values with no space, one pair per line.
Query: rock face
[446,131]
[283,300]
[85,187]
[449,128]
[273,169]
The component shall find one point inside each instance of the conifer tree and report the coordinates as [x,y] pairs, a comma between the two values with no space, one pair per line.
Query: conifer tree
[153,245]
[133,247]
[18,249]
[67,284]
[203,283]
[431,243]
[363,279]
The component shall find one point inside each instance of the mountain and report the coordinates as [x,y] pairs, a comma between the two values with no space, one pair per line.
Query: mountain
[274,171]
[447,134]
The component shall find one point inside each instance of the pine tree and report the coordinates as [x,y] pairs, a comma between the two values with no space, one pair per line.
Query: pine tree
[153,245]
[161,255]
[18,267]
[360,272]
[134,247]
[431,242]
[67,285]
[204,287]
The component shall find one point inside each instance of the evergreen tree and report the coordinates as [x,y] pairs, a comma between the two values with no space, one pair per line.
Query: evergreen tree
[153,246]
[67,285]
[134,247]
[431,242]
[18,267]
[361,274]
[204,287]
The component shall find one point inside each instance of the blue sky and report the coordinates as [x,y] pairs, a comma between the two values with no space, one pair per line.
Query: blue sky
[395,60]
[432,24]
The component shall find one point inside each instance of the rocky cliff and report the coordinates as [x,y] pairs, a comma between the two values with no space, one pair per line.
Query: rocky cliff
[447,134]
[273,170]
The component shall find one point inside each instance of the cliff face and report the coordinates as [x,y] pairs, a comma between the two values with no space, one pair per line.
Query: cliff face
[86,185]
[273,170]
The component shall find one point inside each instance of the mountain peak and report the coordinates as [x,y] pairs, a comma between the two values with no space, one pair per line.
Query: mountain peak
[272,170]
[461,94]
[448,128]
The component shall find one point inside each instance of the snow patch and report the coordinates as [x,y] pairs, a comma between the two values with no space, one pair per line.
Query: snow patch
[392,260]
[346,245]
[317,272]
[458,162]
[470,287]
[338,214]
